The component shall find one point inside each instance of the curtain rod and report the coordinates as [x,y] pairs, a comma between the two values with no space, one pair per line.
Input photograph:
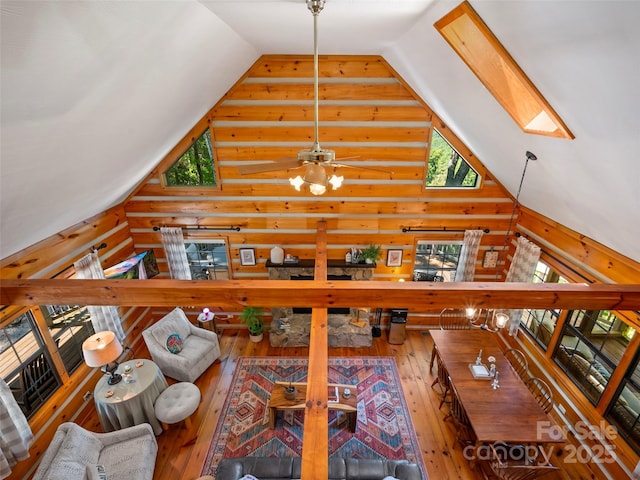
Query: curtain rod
[93,249]
[444,229]
[235,229]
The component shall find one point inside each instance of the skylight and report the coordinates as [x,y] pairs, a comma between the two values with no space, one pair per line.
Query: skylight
[483,53]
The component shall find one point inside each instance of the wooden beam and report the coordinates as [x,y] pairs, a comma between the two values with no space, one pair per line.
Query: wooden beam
[316,293]
[315,440]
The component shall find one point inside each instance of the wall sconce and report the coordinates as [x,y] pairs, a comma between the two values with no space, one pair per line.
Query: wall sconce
[102,349]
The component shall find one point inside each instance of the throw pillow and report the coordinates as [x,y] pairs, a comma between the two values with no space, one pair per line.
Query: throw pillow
[96,472]
[174,343]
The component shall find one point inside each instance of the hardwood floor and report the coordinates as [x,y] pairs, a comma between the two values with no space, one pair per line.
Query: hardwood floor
[181,453]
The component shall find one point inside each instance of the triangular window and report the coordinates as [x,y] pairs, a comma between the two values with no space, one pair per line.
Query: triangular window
[195,167]
[446,166]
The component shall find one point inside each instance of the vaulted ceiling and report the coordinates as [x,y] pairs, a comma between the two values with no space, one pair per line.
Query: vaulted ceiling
[94,94]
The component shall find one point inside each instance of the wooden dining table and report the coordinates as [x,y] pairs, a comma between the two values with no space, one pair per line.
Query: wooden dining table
[509,413]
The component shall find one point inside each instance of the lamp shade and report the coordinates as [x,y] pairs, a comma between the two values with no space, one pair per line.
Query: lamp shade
[101,348]
[501,319]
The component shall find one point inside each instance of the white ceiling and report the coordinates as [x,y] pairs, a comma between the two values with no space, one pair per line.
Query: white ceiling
[102,90]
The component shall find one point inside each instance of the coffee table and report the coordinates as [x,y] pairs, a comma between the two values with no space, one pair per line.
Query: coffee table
[337,401]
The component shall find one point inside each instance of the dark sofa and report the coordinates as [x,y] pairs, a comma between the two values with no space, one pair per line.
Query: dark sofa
[277,468]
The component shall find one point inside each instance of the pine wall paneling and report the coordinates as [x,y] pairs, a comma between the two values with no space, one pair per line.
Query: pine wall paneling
[44,260]
[367,111]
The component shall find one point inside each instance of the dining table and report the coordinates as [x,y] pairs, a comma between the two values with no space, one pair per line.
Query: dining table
[508,413]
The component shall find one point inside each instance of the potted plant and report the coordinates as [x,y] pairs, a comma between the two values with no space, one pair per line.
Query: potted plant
[371,253]
[252,318]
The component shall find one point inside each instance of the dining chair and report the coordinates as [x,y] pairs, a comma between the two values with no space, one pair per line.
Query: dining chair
[542,392]
[443,380]
[464,431]
[451,319]
[518,362]
[516,462]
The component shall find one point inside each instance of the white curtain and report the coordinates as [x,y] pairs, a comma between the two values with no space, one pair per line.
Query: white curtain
[522,268]
[15,434]
[102,317]
[468,256]
[173,242]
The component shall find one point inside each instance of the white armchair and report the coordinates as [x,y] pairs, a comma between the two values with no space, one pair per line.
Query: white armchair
[78,453]
[200,347]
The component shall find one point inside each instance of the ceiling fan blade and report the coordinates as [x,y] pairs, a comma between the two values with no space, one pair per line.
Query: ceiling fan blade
[388,172]
[285,163]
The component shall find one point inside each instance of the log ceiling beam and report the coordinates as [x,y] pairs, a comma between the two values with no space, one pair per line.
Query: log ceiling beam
[316,293]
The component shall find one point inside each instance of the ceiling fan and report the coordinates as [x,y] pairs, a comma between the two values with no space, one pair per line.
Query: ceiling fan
[316,158]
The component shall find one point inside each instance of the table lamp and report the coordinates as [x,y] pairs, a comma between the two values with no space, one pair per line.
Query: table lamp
[102,349]
[206,315]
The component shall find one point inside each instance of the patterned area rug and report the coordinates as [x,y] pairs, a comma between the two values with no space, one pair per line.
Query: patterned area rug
[384,428]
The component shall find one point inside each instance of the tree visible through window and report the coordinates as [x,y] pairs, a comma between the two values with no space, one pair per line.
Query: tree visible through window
[195,166]
[446,166]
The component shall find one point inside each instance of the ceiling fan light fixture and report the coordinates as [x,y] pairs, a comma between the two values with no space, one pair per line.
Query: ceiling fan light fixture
[315,174]
[317,189]
[336,181]
[296,182]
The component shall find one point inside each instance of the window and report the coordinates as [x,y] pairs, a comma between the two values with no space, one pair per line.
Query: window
[195,167]
[487,58]
[446,167]
[69,326]
[208,259]
[624,411]
[592,344]
[25,364]
[540,324]
[436,261]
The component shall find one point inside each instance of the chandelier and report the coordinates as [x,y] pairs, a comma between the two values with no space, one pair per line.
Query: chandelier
[493,321]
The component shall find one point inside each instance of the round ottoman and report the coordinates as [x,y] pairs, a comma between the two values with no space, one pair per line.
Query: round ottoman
[177,403]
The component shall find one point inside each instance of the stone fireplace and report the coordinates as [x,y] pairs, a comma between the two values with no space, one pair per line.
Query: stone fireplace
[347,327]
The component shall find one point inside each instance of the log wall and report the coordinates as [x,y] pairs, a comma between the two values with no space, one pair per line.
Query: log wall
[367,111]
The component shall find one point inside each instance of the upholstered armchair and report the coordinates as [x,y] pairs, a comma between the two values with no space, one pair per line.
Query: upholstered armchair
[181,350]
[78,453]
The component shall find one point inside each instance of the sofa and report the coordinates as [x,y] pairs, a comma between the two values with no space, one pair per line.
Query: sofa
[277,468]
[181,350]
[76,454]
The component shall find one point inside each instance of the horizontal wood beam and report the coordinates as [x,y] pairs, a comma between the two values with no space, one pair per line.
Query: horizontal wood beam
[316,293]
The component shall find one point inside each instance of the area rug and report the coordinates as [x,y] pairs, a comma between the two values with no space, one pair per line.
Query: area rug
[384,428]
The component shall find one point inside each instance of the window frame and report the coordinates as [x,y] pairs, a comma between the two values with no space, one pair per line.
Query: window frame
[589,382]
[223,241]
[179,149]
[14,377]
[440,271]
[462,156]
[75,333]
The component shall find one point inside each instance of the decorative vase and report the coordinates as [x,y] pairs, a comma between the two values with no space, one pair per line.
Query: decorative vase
[277,255]
[368,260]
